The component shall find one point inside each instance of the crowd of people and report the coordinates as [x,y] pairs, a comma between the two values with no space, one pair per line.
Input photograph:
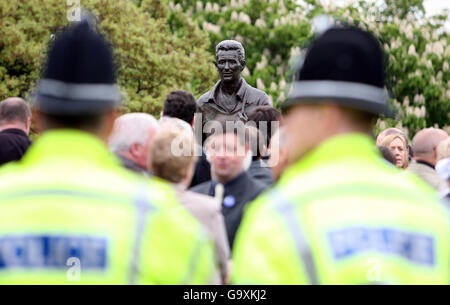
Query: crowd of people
[261,196]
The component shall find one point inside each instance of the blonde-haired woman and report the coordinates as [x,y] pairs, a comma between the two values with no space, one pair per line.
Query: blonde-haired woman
[398,146]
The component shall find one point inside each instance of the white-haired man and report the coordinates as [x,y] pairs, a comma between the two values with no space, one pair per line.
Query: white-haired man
[131,138]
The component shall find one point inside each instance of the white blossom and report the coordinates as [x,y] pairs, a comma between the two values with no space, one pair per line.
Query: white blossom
[277,60]
[418,112]
[243,17]
[295,51]
[332,6]
[199,6]
[234,16]
[239,38]
[325,7]
[273,86]
[211,27]
[260,23]
[419,99]
[280,70]
[282,84]
[406,101]
[445,66]
[422,99]
[409,111]
[245,72]
[262,64]
[426,33]
[281,8]
[435,35]
[409,32]
[281,97]
[423,111]
[447,51]
[381,124]
[447,127]
[412,50]
[429,64]
[438,49]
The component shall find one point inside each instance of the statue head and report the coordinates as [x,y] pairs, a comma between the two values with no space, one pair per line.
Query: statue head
[230,60]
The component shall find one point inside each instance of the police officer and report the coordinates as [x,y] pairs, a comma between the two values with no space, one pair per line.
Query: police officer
[340,214]
[69,213]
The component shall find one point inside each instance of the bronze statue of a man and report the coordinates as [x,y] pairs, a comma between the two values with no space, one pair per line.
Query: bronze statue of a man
[231,97]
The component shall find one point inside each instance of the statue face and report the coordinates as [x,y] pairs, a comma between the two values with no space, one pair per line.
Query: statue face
[228,65]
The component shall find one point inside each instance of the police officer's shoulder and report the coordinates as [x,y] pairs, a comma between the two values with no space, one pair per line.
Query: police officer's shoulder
[7,173]
[161,190]
[203,99]
[416,183]
[202,188]
[263,203]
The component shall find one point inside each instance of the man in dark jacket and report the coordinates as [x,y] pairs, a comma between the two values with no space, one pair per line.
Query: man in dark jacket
[15,122]
[230,184]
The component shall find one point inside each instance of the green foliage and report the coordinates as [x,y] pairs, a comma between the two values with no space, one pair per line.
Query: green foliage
[152,57]
[159,47]
[403,8]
